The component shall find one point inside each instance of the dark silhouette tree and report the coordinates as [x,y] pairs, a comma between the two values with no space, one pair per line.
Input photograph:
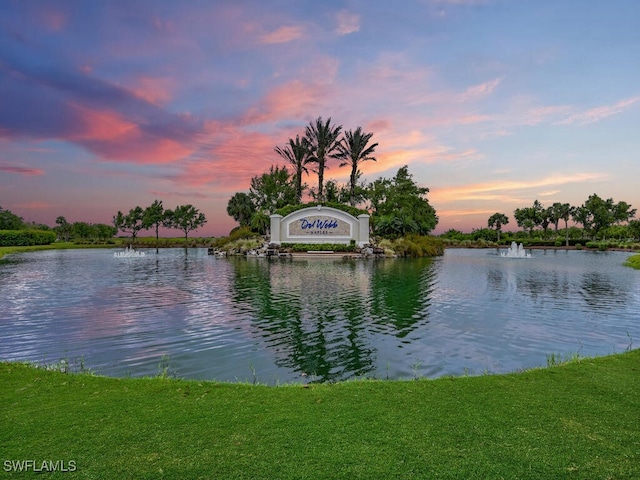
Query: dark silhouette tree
[130,223]
[497,221]
[186,218]
[154,216]
[241,208]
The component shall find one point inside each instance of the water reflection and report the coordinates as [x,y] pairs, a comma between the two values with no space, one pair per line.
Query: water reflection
[318,315]
[314,319]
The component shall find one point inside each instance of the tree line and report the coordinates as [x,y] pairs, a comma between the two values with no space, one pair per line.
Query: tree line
[65,231]
[398,206]
[599,218]
[184,217]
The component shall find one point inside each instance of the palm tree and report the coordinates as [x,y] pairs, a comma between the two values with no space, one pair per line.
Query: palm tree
[353,150]
[297,153]
[323,142]
[497,220]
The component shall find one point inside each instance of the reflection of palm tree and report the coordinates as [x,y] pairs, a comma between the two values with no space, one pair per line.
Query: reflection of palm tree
[296,152]
[321,335]
[353,150]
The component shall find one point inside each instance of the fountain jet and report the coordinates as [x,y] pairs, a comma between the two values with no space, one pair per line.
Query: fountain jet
[515,251]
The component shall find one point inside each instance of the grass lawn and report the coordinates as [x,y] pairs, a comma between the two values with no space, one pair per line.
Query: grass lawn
[141,242]
[633,262]
[579,420]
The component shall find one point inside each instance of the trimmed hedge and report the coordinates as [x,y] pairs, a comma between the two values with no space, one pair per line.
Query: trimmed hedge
[323,247]
[25,238]
[284,211]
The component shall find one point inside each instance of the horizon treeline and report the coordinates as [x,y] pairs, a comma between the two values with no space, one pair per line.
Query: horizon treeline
[186,218]
[600,219]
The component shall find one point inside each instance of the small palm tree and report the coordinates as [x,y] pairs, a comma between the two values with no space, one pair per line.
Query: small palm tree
[322,138]
[497,220]
[353,150]
[297,153]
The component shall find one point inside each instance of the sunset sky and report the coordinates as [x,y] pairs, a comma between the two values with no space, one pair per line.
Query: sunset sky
[106,105]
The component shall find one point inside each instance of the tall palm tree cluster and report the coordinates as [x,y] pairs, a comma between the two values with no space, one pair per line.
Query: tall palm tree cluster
[397,206]
[320,144]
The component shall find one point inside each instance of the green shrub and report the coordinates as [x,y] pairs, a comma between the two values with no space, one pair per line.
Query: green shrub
[578,246]
[558,243]
[289,209]
[414,245]
[24,238]
[322,247]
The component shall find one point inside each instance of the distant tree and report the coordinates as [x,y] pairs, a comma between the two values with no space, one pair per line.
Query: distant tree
[555,214]
[103,232]
[273,190]
[130,223]
[154,216]
[298,153]
[623,212]
[10,221]
[563,211]
[63,228]
[528,218]
[582,216]
[401,207]
[524,219]
[497,221]
[545,220]
[634,229]
[81,231]
[352,151]
[186,218]
[322,138]
[241,208]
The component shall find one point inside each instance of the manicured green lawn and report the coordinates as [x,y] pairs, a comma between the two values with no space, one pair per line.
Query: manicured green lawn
[579,420]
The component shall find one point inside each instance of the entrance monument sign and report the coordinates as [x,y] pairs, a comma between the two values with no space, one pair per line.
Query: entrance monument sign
[320,225]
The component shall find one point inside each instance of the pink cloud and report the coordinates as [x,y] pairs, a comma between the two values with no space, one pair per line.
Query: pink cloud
[501,189]
[102,126]
[111,136]
[478,91]
[347,22]
[598,113]
[153,90]
[20,170]
[293,99]
[230,156]
[34,205]
[54,20]
[283,35]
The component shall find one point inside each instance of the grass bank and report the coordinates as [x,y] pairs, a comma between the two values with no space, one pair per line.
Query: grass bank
[54,246]
[576,421]
[141,242]
[633,262]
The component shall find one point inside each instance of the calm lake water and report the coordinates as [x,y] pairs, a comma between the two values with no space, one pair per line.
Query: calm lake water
[277,321]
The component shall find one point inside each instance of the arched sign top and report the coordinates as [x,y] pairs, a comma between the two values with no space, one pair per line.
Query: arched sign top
[320,224]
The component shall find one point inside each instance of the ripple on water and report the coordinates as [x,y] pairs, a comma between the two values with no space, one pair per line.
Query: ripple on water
[469,311]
